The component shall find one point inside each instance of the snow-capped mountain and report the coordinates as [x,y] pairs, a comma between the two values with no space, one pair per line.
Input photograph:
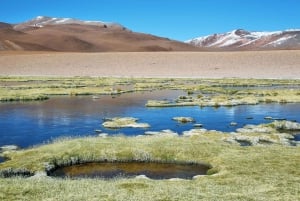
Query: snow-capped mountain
[42,21]
[244,40]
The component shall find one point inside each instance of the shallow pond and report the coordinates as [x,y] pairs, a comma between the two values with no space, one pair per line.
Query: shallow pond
[30,123]
[130,169]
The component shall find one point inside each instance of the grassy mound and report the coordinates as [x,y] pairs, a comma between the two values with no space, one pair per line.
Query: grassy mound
[241,173]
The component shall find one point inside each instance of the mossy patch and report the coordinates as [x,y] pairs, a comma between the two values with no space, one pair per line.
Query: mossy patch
[124,122]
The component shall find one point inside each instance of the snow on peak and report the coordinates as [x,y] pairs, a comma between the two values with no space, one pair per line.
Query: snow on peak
[241,38]
[39,17]
[292,30]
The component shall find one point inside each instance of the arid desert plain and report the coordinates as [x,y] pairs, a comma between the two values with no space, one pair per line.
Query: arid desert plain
[252,64]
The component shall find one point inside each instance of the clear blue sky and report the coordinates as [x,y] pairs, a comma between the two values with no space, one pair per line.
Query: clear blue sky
[176,19]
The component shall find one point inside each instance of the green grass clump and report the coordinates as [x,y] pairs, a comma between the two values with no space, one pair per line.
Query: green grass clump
[238,173]
[255,90]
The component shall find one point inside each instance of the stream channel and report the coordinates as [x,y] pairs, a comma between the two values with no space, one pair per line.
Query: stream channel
[27,124]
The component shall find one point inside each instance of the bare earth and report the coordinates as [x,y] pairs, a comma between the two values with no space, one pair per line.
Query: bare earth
[261,64]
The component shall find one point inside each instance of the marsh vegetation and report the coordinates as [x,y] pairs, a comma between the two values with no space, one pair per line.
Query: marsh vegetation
[266,169]
[203,92]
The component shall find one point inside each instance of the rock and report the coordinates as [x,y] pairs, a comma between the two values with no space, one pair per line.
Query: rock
[152,132]
[286,125]
[98,131]
[198,125]
[198,176]
[39,175]
[256,129]
[279,119]
[157,103]
[142,177]
[243,140]
[167,131]
[183,119]
[268,118]
[194,132]
[48,166]
[233,124]
[163,132]
[9,148]
[176,179]
[107,119]
[103,135]
[264,134]
[95,97]
[124,122]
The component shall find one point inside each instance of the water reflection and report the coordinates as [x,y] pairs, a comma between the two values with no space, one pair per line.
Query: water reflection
[129,169]
[27,124]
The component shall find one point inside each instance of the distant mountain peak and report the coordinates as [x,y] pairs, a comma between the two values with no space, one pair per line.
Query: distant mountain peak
[41,21]
[44,33]
[241,32]
[241,39]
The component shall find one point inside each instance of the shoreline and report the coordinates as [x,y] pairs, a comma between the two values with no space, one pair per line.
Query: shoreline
[251,64]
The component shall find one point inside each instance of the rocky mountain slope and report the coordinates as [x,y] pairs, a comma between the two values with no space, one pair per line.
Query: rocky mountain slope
[67,34]
[244,40]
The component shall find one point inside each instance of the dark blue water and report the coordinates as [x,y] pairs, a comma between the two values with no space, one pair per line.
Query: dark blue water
[31,123]
[297,137]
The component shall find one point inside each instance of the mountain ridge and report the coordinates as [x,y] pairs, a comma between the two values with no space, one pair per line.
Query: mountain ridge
[72,35]
[241,39]
[44,33]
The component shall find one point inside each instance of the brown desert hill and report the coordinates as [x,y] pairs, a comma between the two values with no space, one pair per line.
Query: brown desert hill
[66,34]
[5,25]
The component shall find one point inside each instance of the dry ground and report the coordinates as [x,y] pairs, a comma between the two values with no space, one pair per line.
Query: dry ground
[254,64]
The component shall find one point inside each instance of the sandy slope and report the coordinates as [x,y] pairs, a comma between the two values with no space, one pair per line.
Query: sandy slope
[268,64]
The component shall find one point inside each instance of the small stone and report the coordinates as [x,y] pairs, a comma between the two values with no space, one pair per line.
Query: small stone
[103,135]
[268,118]
[183,119]
[286,125]
[194,132]
[124,122]
[142,177]
[39,175]
[198,125]
[9,148]
[176,179]
[151,133]
[166,132]
[198,176]
[233,124]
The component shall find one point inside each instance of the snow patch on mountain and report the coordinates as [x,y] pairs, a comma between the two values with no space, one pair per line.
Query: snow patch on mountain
[240,38]
[41,21]
[280,41]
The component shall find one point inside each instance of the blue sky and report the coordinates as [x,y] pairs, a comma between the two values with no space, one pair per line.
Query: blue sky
[176,19]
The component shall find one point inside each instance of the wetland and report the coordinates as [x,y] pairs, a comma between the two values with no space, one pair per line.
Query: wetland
[247,130]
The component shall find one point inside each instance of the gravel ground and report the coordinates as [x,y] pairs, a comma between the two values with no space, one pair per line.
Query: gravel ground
[255,64]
